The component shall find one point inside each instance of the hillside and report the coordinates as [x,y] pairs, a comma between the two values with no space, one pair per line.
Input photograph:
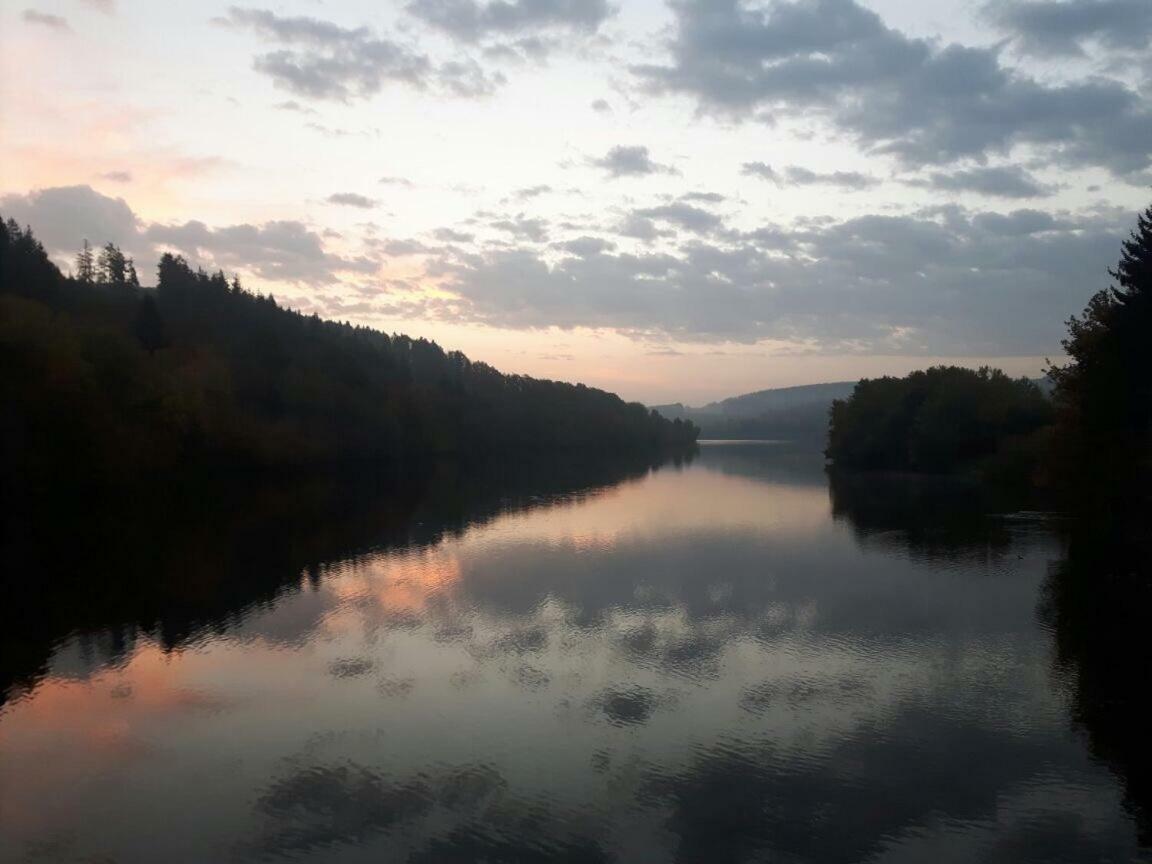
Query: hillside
[104,379]
[798,414]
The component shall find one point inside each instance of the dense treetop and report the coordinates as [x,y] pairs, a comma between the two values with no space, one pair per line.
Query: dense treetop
[941,419]
[1104,392]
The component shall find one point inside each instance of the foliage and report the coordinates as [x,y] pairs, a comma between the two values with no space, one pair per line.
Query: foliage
[106,378]
[1104,394]
[942,419]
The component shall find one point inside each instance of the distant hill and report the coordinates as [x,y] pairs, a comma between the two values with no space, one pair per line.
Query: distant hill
[798,414]
[788,413]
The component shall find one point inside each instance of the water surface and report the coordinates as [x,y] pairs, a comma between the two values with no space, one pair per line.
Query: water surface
[726,660]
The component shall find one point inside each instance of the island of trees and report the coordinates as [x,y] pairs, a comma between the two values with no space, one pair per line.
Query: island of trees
[102,378]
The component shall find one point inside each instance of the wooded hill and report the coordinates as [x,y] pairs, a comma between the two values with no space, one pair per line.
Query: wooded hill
[102,378]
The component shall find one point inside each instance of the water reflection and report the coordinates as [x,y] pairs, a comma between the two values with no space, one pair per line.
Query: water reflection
[709,661]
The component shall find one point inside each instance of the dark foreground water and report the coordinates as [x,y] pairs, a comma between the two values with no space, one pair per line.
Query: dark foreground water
[719,661]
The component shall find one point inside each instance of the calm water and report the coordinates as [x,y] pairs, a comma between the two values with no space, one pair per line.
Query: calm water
[718,661]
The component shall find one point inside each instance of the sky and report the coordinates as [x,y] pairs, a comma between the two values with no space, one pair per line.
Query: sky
[675,201]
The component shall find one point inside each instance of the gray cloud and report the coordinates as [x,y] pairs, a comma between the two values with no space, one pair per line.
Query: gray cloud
[117,176]
[472,21]
[641,228]
[800,176]
[531,192]
[285,251]
[293,105]
[797,175]
[323,60]
[352,199]
[921,101]
[601,106]
[53,22]
[706,197]
[585,247]
[534,230]
[622,161]
[448,235]
[1001,182]
[1049,28]
[64,216]
[760,169]
[682,215]
[396,181]
[943,281]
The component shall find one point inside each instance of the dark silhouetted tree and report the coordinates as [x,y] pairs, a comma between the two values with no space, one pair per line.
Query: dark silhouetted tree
[941,419]
[112,266]
[1104,433]
[85,264]
[251,383]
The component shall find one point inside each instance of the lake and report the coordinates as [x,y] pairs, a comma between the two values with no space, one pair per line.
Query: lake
[726,658]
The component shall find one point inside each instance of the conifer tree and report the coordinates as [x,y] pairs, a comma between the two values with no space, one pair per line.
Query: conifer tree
[85,265]
[1105,392]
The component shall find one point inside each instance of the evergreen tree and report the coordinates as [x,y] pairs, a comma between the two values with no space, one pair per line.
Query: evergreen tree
[133,279]
[112,266]
[85,265]
[1105,392]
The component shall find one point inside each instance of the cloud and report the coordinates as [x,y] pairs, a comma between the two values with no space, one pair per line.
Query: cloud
[534,230]
[352,199]
[293,105]
[943,281]
[586,247]
[108,7]
[322,60]
[472,21]
[634,161]
[63,216]
[1064,28]
[448,235]
[396,181]
[797,175]
[1010,181]
[601,106]
[641,228]
[760,169]
[682,215]
[531,192]
[53,22]
[921,101]
[706,197]
[117,176]
[283,250]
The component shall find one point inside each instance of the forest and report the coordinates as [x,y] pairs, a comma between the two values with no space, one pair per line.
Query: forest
[105,379]
[940,419]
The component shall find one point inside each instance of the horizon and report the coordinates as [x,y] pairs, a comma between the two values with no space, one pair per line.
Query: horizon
[572,191]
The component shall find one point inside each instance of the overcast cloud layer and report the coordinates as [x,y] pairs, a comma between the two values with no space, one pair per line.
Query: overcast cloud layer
[686,176]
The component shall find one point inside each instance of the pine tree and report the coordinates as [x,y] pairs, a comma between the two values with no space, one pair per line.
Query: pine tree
[1105,392]
[85,266]
[133,279]
[112,267]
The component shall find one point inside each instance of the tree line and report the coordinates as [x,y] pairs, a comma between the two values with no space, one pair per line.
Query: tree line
[1092,438]
[103,378]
